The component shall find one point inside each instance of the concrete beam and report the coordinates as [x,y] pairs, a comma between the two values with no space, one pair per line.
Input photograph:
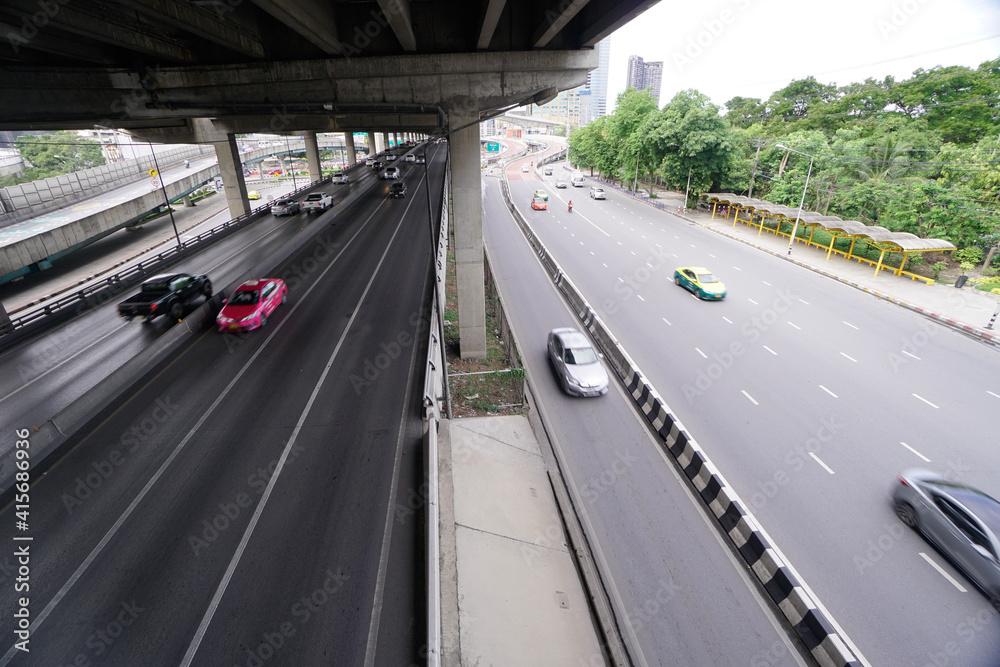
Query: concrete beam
[488,26]
[468,214]
[312,157]
[556,21]
[313,19]
[466,82]
[397,12]
[228,154]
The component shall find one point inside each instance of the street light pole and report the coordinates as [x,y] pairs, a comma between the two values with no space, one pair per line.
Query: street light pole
[687,193]
[163,189]
[802,202]
[291,161]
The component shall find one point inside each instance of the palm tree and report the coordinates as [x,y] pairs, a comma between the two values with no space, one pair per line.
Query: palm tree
[886,162]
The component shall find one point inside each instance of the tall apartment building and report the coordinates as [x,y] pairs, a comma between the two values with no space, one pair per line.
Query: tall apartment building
[597,81]
[645,76]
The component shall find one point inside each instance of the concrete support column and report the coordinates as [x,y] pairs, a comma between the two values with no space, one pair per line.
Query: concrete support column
[371,145]
[231,170]
[385,141]
[468,214]
[187,200]
[312,157]
[352,155]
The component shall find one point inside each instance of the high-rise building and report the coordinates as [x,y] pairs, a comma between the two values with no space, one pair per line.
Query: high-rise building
[597,81]
[645,76]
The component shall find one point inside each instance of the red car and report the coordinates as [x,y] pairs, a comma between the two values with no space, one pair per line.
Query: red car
[251,303]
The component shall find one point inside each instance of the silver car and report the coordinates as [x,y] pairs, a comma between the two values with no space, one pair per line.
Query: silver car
[577,364]
[285,207]
[962,522]
[597,193]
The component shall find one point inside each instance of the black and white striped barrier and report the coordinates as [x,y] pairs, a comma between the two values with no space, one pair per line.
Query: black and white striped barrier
[811,625]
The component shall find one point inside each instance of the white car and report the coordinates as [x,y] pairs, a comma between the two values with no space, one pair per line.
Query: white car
[391,172]
[525,169]
[340,177]
[597,193]
[410,157]
[369,161]
[389,157]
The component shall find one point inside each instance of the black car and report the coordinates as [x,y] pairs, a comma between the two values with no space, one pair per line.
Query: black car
[165,295]
[376,165]
[397,189]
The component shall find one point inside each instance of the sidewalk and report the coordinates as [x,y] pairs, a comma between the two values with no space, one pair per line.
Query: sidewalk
[966,309]
[510,590]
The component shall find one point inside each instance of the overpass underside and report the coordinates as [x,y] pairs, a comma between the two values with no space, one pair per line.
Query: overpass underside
[183,72]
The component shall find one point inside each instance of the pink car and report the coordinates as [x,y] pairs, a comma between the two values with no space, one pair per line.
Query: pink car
[251,303]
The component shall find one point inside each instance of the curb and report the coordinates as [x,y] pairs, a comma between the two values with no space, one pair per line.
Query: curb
[810,624]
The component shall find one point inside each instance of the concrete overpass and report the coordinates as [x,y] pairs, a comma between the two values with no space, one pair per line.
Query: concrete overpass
[176,71]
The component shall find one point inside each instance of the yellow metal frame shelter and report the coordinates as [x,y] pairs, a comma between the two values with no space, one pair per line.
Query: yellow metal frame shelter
[886,241]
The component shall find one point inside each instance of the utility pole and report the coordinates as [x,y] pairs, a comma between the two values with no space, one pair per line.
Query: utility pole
[754,171]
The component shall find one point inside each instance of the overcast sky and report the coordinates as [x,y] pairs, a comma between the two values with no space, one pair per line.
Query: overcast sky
[751,48]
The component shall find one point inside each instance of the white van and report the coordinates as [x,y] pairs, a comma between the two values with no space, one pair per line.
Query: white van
[577,180]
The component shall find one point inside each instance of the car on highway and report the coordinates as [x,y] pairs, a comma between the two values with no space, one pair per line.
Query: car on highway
[577,180]
[369,161]
[576,363]
[339,178]
[165,294]
[376,165]
[421,159]
[389,157]
[548,171]
[962,522]
[525,169]
[253,194]
[397,190]
[250,304]
[701,282]
[597,193]
[409,157]
[391,172]
[542,194]
[539,204]
[561,184]
[317,201]
[285,207]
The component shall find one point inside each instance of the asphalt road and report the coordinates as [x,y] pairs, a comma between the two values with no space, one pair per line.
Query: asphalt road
[687,598]
[245,505]
[810,397]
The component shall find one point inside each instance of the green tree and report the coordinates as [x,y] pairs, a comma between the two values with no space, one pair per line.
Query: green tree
[745,111]
[55,154]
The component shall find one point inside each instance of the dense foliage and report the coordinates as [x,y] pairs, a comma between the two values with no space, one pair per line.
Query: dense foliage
[55,154]
[920,155]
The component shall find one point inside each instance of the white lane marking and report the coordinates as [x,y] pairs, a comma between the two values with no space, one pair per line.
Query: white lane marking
[825,466]
[581,242]
[64,361]
[591,252]
[737,268]
[666,320]
[992,394]
[641,236]
[844,354]
[701,353]
[658,245]
[631,252]
[766,283]
[925,400]
[793,325]
[828,391]
[620,279]
[692,245]
[926,460]
[234,562]
[676,237]
[849,324]
[727,319]
[572,235]
[770,350]
[166,463]
[750,397]
[619,242]
[753,302]
[944,574]
[711,255]
[639,296]
[803,301]
[909,354]
[603,264]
